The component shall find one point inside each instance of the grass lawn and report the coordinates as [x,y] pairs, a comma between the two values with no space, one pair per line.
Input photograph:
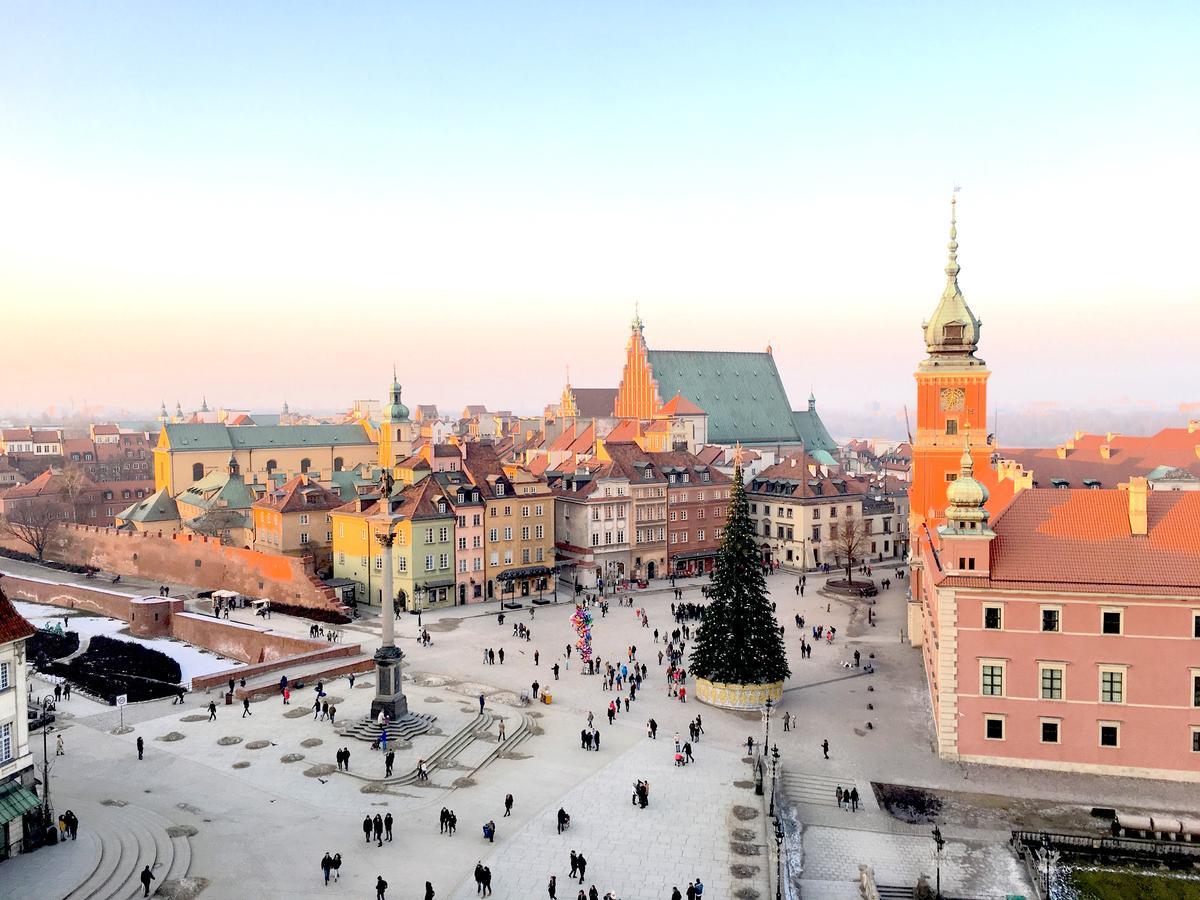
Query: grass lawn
[1133,886]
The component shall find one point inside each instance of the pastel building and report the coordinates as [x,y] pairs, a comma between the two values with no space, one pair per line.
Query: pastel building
[1060,629]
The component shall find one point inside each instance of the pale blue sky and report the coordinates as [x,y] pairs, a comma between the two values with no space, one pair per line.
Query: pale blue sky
[498,183]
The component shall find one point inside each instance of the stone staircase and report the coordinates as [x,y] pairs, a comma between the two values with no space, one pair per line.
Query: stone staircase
[121,842]
[441,757]
[368,729]
[522,733]
[817,790]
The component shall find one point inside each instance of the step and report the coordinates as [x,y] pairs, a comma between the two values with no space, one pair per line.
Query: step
[137,850]
[367,729]
[99,823]
[895,892]
[181,861]
[444,754]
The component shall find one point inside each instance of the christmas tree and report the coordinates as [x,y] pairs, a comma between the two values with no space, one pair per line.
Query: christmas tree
[739,641]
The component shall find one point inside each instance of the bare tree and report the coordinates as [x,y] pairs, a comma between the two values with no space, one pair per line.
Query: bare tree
[73,482]
[34,524]
[850,543]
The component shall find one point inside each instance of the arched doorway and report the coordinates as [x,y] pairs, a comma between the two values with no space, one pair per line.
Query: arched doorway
[649,570]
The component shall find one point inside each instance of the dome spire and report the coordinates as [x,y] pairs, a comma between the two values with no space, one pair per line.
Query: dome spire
[952,335]
[952,269]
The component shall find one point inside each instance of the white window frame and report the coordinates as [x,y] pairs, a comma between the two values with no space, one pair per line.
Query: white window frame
[1100,726]
[1045,608]
[1062,669]
[995,717]
[1003,666]
[999,608]
[1106,669]
[1119,610]
[1049,720]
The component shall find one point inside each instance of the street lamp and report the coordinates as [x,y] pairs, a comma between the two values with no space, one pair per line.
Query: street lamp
[939,843]
[778,860]
[767,717]
[774,766]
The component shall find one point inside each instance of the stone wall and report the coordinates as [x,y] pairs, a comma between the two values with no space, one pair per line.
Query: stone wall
[202,562]
[69,596]
[245,643]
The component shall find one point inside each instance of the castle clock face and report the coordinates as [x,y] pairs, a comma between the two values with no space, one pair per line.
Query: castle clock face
[954,399]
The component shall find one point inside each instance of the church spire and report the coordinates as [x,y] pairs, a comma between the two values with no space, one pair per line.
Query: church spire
[952,335]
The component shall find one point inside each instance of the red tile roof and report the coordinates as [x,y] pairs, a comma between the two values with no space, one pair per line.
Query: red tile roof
[299,495]
[1127,455]
[797,475]
[680,406]
[13,626]
[1080,539]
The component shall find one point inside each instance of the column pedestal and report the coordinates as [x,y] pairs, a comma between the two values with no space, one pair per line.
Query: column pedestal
[389,694]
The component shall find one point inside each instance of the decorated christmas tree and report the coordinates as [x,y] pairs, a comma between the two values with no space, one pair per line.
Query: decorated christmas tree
[739,641]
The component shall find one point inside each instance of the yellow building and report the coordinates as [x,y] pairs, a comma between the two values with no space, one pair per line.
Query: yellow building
[266,454]
[397,433]
[296,520]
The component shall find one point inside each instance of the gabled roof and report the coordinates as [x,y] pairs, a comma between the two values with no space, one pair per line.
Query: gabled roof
[301,494]
[218,436]
[681,406]
[218,490]
[13,625]
[106,428]
[633,462]
[741,392]
[48,483]
[680,461]
[158,507]
[594,402]
[798,475]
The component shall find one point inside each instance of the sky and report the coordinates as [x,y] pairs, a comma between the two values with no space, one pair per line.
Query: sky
[259,202]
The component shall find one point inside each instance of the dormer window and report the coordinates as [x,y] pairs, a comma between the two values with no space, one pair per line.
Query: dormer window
[1060,483]
[499,489]
[952,333]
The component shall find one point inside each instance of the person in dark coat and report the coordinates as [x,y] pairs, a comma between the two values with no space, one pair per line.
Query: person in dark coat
[428,890]
[367,829]
[326,866]
[141,747]
[147,877]
[377,827]
[380,888]
[582,866]
[387,826]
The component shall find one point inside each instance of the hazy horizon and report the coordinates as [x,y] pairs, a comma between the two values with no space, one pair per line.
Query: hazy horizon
[232,203]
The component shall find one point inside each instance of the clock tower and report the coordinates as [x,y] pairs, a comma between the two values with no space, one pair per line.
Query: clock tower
[951,401]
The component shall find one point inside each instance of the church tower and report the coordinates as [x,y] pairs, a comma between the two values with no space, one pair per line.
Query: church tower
[637,394]
[396,432]
[951,400]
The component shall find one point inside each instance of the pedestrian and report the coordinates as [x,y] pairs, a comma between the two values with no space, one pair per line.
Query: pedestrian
[699,889]
[212,711]
[387,826]
[327,866]
[536,656]
[490,830]
[246,707]
[380,888]
[675,895]
[582,866]
[750,746]
[141,747]
[316,708]
[337,867]
[500,728]
[508,804]
[501,655]
[690,893]
[58,692]
[58,749]
[231,685]
[366,826]
[147,877]
[377,828]
[346,758]
[554,669]
[443,820]
[388,760]
[552,887]
[332,714]
[825,748]
[481,703]
[351,679]
[856,658]
[428,890]
[838,795]
[487,881]
[652,730]
[854,799]
[687,752]
[574,864]
[478,877]
[535,689]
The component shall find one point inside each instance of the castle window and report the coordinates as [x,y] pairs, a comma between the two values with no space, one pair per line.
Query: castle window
[338,462]
[952,426]
[952,333]
[197,471]
[271,466]
[305,464]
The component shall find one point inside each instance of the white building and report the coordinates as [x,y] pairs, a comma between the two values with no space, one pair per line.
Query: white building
[16,759]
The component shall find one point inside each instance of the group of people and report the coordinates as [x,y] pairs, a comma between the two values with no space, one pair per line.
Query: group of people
[68,825]
[447,821]
[379,826]
[315,631]
[331,865]
[343,759]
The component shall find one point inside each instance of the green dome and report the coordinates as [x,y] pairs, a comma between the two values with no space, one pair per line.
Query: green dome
[967,497]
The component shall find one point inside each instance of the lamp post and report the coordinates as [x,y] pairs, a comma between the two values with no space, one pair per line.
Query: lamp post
[774,766]
[767,718]
[778,860]
[939,843]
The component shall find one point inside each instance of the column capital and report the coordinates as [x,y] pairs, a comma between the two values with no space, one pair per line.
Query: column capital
[386,538]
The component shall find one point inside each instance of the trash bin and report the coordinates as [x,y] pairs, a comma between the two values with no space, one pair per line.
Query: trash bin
[547,697]
[229,698]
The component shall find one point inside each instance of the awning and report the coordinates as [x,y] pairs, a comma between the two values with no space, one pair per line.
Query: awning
[696,554]
[527,572]
[16,801]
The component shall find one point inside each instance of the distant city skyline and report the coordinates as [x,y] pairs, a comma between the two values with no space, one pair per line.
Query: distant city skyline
[270,207]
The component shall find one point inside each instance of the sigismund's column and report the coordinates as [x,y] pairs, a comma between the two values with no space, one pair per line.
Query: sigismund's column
[389,693]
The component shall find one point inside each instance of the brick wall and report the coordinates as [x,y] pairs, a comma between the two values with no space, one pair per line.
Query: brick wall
[245,643]
[69,596]
[198,561]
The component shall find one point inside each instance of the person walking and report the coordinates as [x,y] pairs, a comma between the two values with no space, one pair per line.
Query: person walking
[487,881]
[554,669]
[337,867]
[481,703]
[146,877]
[508,804]
[536,657]
[141,747]
[346,758]
[478,877]
[377,828]
[246,707]
[675,895]
[552,887]
[327,866]
[388,760]
[501,655]
[429,890]
[854,799]
[582,866]
[825,747]
[838,795]
[380,888]
[58,747]
[387,826]
[366,826]
[212,711]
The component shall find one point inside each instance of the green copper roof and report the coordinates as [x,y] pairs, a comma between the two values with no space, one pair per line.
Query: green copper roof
[741,392]
[16,801]
[261,437]
[812,431]
[219,490]
[158,507]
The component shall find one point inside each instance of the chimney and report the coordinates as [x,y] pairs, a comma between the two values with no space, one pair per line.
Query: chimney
[1079,434]
[1193,426]
[1105,451]
[1109,436]
[1061,450]
[1137,505]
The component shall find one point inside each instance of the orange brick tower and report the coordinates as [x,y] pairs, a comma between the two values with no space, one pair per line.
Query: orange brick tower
[951,401]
